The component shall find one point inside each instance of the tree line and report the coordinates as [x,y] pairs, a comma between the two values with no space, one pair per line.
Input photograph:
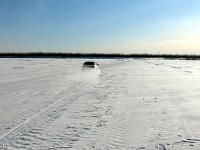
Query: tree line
[94,55]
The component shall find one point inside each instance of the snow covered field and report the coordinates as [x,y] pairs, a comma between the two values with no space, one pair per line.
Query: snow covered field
[133,104]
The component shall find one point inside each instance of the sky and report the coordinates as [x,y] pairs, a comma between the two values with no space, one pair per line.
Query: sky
[100,26]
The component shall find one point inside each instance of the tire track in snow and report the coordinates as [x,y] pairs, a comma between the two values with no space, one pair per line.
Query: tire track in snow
[75,131]
[31,134]
[117,134]
[19,128]
[111,127]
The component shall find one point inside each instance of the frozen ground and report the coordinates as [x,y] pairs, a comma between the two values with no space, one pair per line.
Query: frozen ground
[133,104]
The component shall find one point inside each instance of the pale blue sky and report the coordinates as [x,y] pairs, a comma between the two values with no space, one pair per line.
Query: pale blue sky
[111,26]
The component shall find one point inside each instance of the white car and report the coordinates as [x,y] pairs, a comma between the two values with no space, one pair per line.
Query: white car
[90,65]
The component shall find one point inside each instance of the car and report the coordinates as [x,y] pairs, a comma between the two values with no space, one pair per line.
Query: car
[90,65]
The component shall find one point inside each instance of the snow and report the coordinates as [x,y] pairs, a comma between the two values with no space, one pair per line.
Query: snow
[129,104]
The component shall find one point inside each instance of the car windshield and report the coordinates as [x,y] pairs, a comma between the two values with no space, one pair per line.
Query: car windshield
[89,63]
